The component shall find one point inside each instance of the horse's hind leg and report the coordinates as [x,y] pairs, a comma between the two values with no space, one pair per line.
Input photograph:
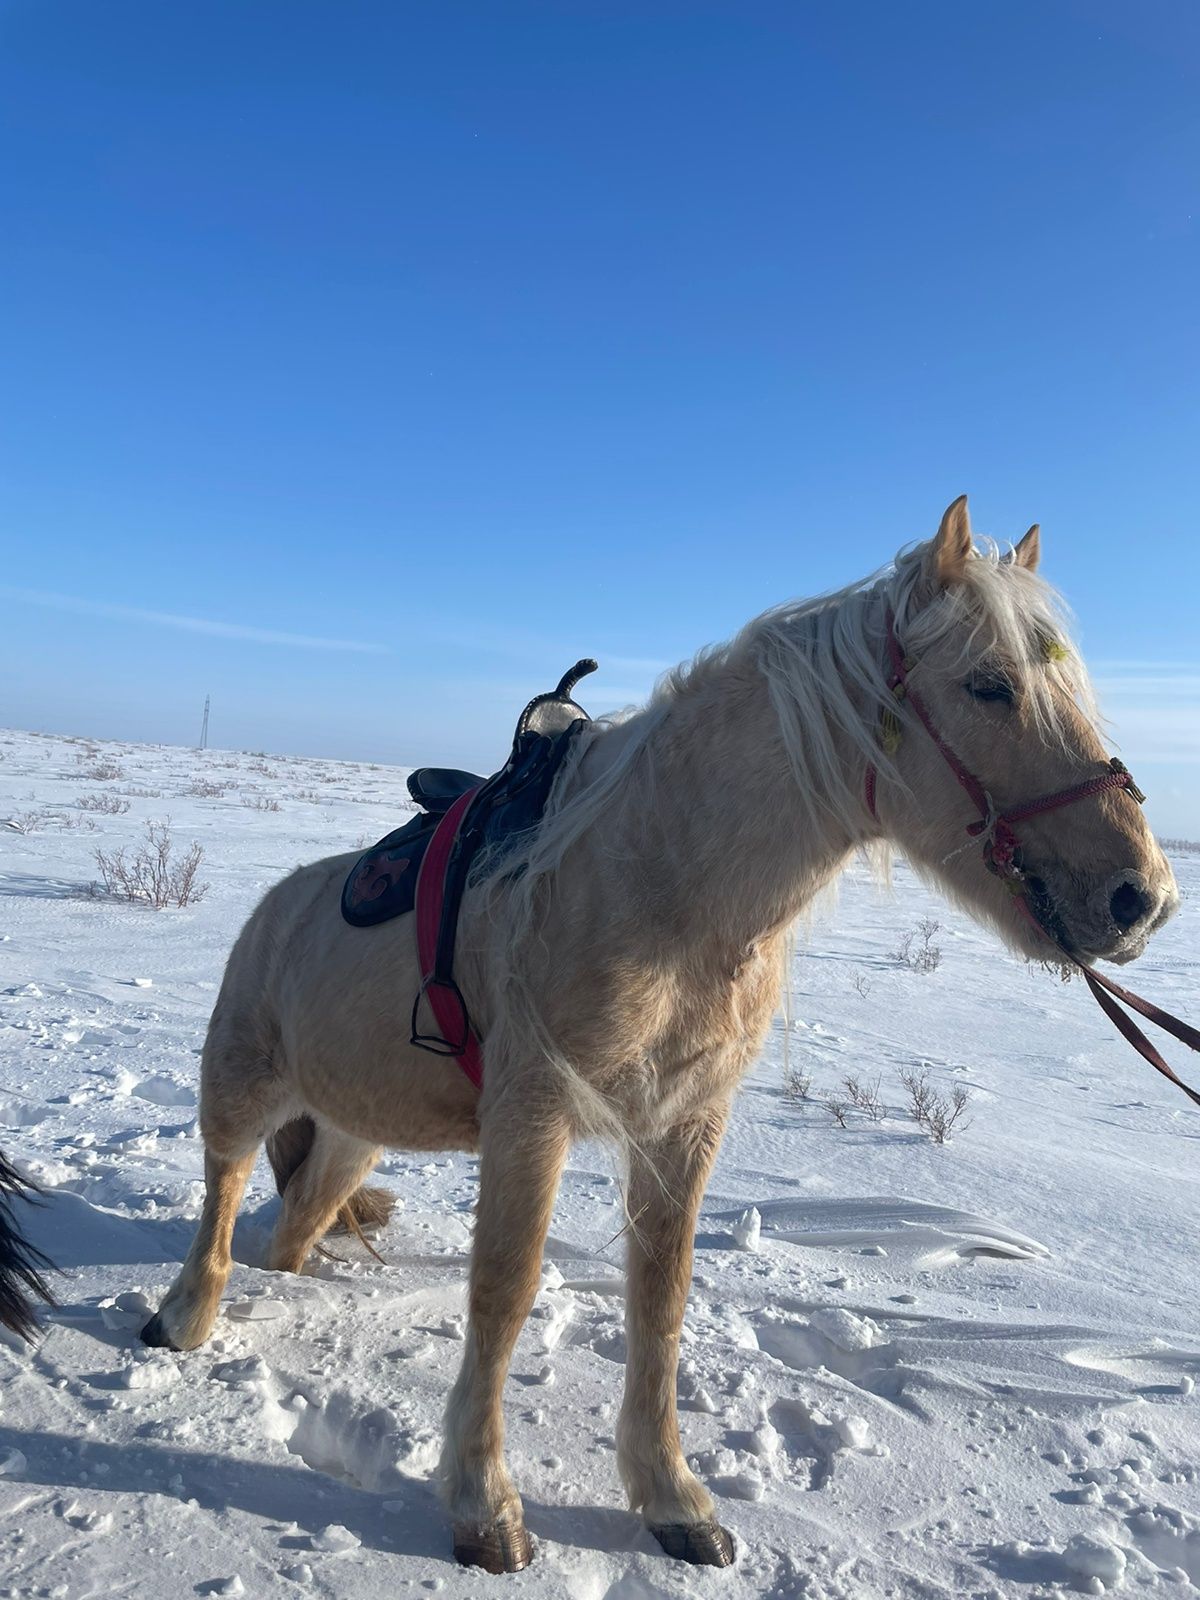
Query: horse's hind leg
[239,1100]
[186,1316]
[317,1192]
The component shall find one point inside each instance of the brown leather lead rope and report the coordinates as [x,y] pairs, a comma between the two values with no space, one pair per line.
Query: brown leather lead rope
[1106,994]
[1098,983]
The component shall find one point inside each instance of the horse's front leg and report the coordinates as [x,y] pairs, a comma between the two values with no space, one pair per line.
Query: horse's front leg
[521,1159]
[666,1185]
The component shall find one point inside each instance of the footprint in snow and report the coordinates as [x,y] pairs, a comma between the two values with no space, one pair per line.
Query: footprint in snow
[163,1091]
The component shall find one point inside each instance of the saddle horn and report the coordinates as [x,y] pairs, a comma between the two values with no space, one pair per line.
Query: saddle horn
[582,667]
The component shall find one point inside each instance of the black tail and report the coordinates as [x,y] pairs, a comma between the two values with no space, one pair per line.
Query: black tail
[21,1266]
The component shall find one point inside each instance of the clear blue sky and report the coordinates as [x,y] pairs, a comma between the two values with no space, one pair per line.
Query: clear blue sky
[490,335]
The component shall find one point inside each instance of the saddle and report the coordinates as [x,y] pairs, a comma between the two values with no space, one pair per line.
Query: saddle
[465,820]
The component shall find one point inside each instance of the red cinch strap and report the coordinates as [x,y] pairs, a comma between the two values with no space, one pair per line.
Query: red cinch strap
[445,1001]
[999,846]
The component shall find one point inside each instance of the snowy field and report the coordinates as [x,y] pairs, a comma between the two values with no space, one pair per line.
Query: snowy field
[955,1371]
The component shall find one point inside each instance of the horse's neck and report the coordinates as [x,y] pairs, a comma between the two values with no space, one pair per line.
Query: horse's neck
[731,851]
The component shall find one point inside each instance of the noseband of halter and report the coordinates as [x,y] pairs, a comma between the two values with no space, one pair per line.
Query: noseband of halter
[1000,841]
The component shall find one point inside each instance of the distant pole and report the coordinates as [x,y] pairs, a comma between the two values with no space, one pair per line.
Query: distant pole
[204,726]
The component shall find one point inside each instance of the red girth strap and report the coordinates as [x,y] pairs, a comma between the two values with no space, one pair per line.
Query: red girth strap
[999,845]
[458,1038]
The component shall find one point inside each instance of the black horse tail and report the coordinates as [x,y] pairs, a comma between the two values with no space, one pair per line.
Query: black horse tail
[21,1266]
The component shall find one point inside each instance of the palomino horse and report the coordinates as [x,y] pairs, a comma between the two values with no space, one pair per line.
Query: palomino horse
[623,981]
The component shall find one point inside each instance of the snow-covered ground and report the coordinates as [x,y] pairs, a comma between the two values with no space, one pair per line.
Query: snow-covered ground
[939,1371]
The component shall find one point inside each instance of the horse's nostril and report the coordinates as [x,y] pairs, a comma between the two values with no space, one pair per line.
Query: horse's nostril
[1129,905]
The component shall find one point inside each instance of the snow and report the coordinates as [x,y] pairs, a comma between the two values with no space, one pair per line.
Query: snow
[906,1370]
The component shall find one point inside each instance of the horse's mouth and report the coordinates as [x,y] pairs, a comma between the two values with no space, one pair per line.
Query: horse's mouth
[1113,943]
[1047,915]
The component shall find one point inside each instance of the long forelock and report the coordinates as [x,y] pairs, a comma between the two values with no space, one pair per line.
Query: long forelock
[1004,614]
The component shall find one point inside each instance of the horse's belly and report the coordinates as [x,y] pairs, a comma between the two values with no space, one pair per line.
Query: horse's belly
[405,1098]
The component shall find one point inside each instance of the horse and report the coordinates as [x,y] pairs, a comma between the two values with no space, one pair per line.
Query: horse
[622,975]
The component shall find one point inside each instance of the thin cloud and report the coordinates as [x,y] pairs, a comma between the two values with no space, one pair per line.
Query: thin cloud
[1154,709]
[205,625]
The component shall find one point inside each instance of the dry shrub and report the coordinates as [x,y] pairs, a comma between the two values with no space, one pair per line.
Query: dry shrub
[916,949]
[930,1109]
[110,804]
[31,821]
[837,1109]
[149,873]
[864,1097]
[104,772]
[797,1084]
[206,790]
[260,802]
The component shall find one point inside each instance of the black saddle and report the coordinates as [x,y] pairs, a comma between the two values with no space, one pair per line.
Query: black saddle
[382,884]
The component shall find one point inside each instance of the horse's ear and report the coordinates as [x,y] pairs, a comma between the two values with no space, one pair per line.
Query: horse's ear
[1028,550]
[952,547]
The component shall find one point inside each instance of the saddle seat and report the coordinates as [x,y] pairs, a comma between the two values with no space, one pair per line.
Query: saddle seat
[435,789]
[383,881]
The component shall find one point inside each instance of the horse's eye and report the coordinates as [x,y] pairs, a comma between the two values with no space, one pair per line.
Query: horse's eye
[990,688]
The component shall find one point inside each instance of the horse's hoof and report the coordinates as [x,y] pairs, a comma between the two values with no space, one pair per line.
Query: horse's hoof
[155,1333]
[703,1544]
[504,1547]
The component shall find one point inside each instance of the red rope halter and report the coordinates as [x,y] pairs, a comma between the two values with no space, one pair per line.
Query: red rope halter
[1000,842]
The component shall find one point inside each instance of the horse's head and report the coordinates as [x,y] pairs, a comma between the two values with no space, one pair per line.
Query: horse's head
[988,658]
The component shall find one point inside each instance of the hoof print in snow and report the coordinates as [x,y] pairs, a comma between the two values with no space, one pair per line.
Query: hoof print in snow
[701,1544]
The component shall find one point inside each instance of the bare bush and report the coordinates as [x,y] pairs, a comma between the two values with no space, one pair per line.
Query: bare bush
[261,766]
[916,949]
[311,796]
[203,789]
[31,821]
[837,1109]
[1181,846]
[937,1113]
[149,874]
[864,1097]
[104,772]
[797,1085]
[110,804]
[861,982]
[142,794]
[260,802]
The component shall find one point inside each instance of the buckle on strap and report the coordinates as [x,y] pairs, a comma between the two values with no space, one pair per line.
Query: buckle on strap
[1129,785]
[437,1043]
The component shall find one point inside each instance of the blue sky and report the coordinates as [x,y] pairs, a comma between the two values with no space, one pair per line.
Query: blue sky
[479,337]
